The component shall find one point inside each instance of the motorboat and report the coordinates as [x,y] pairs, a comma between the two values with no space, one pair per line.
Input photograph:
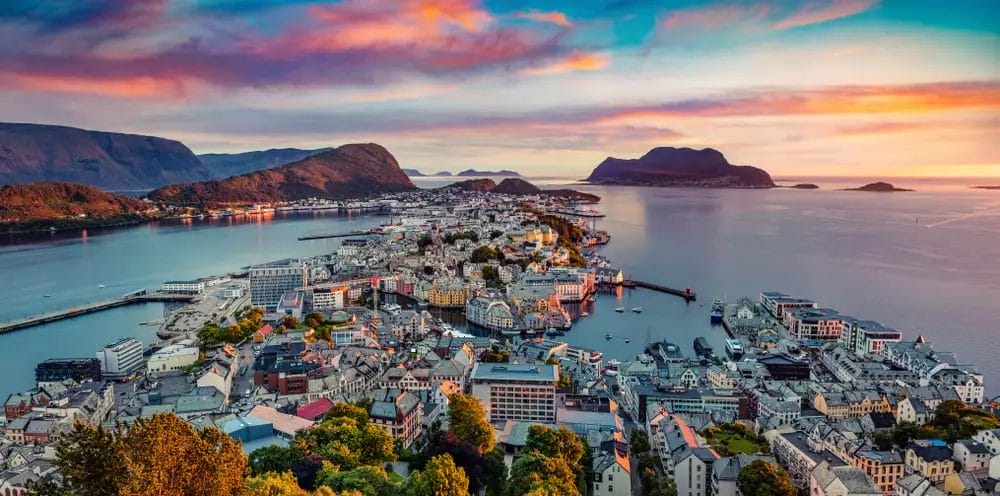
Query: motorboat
[637,309]
[608,337]
[584,314]
[619,309]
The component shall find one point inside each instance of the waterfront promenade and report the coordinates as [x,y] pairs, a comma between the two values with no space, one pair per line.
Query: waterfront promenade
[141,296]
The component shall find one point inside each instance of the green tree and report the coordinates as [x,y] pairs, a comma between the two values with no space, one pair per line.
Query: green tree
[761,478]
[369,480]
[346,443]
[290,322]
[482,254]
[533,472]
[351,410]
[91,461]
[496,354]
[468,421]
[639,442]
[560,443]
[495,472]
[273,458]
[441,477]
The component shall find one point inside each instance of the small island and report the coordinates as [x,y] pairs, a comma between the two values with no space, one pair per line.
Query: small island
[996,187]
[878,187]
[804,186]
[669,166]
[488,173]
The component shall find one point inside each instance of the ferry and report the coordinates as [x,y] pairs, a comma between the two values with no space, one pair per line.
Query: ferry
[637,309]
[608,337]
[101,286]
[716,313]
[734,348]
[619,309]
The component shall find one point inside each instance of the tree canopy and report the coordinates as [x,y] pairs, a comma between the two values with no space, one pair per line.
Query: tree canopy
[761,478]
[441,477]
[468,421]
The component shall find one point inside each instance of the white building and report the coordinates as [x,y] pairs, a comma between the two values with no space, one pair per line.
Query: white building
[991,438]
[172,357]
[516,391]
[841,481]
[121,358]
[329,297]
[269,281]
[491,313]
[612,476]
[187,287]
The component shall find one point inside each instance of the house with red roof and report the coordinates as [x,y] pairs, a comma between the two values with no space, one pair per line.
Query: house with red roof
[262,333]
[314,410]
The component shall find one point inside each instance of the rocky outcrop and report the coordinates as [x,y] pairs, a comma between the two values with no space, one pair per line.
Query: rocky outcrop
[479,173]
[26,207]
[514,186]
[224,165]
[36,153]
[482,185]
[878,187]
[668,166]
[350,171]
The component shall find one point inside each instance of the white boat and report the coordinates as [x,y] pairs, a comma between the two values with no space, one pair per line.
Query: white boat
[620,309]
[637,309]
[584,314]
[101,286]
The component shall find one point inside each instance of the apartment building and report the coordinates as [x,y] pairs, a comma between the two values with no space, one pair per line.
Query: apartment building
[778,303]
[823,324]
[399,412]
[121,358]
[931,459]
[516,391]
[269,281]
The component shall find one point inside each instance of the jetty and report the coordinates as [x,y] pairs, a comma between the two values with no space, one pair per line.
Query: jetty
[687,293]
[141,296]
[338,235]
[578,213]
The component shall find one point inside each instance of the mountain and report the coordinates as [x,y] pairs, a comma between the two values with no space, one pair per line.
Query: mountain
[878,187]
[26,207]
[224,165]
[499,173]
[413,173]
[38,152]
[350,171]
[668,166]
[442,174]
[514,186]
[473,185]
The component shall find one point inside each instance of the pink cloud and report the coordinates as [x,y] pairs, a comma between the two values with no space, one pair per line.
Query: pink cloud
[553,17]
[768,15]
[820,12]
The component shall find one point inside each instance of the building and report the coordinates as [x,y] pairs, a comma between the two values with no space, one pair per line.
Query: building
[269,281]
[516,391]
[60,369]
[777,303]
[399,412]
[491,313]
[449,294]
[851,404]
[19,404]
[799,455]
[121,358]
[172,357]
[931,459]
[329,296]
[612,472]
[866,337]
[785,368]
[841,481]
[883,467]
[991,438]
[973,455]
[726,472]
[823,324]
[183,287]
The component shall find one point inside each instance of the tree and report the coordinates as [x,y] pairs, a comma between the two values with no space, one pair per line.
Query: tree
[496,233]
[165,455]
[483,254]
[290,322]
[468,421]
[273,458]
[465,455]
[346,443]
[496,354]
[441,477]
[369,480]
[536,473]
[91,461]
[639,442]
[561,443]
[274,484]
[495,472]
[761,478]
[344,409]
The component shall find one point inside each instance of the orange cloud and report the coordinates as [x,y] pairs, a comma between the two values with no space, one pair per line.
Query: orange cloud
[578,60]
[131,87]
[812,13]
[557,18]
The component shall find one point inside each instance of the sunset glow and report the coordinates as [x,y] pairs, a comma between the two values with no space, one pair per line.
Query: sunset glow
[828,87]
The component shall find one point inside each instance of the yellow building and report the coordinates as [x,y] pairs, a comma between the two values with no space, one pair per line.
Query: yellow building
[449,295]
[884,468]
[930,459]
[851,404]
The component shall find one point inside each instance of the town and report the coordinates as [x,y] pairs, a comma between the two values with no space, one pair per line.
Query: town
[456,306]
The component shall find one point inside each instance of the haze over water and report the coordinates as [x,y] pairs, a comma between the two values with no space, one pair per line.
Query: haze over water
[925,262]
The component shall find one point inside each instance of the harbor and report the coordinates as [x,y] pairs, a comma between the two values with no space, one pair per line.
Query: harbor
[140,296]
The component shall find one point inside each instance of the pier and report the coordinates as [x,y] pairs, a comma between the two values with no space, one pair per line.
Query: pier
[141,296]
[337,235]
[687,294]
[577,213]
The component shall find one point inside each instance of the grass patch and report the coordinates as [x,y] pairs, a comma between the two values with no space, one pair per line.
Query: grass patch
[733,439]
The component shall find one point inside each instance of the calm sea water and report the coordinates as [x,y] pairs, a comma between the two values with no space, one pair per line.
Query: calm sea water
[926,262]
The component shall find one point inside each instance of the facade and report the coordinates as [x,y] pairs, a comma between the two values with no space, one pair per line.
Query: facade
[329,297]
[516,391]
[612,474]
[172,357]
[822,324]
[491,313]
[883,467]
[121,358]
[851,404]
[60,369]
[841,481]
[777,303]
[183,287]
[449,294]
[991,438]
[269,281]
[973,455]
[931,459]
[399,412]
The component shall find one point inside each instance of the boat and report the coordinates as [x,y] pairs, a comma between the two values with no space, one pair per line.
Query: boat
[627,340]
[716,313]
[47,296]
[734,348]
[101,286]
[637,309]
[584,314]
[702,348]
[619,309]
[608,337]
[610,372]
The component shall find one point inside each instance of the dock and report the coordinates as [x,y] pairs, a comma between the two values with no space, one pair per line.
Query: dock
[337,235]
[687,294]
[576,213]
[141,296]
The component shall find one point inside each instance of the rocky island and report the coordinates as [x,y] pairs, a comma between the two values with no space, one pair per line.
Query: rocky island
[519,187]
[350,171]
[55,205]
[479,173]
[223,165]
[997,187]
[804,186]
[878,187]
[668,166]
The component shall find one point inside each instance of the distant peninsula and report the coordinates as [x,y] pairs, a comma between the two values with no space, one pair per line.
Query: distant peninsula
[349,171]
[997,187]
[804,186]
[417,173]
[519,187]
[224,165]
[668,166]
[878,187]
[479,173]
[57,205]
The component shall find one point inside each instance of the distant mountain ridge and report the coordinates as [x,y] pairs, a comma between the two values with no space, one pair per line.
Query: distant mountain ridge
[668,166]
[349,171]
[499,173]
[518,187]
[224,165]
[39,152]
[27,207]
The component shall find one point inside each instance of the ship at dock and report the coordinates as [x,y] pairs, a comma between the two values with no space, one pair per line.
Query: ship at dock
[734,348]
[716,313]
[702,348]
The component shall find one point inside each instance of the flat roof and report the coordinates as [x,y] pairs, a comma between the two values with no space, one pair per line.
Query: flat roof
[515,372]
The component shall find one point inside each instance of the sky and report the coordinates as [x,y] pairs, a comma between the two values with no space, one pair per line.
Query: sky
[799,88]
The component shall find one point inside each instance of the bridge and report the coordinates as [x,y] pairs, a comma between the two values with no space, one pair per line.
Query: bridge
[141,296]
[687,294]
